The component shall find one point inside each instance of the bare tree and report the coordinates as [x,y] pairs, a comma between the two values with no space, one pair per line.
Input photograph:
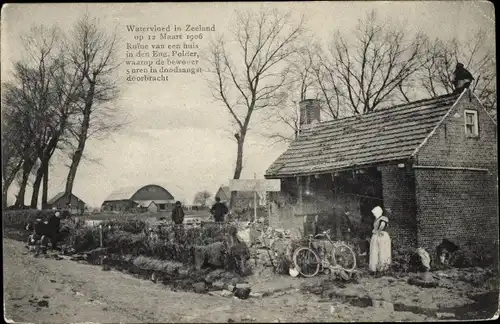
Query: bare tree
[47,92]
[300,86]
[12,153]
[29,97]
[92,53]
[364,70]
[201,197]
[249,72]
[477,56]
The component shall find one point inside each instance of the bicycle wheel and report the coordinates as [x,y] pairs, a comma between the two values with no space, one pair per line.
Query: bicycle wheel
[306,261]
[344,257]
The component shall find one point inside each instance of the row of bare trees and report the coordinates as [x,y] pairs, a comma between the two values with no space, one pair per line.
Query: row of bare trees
[268,63]
[59,95]
[378,64]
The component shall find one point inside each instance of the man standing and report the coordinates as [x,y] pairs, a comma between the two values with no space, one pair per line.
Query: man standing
[53,228]
[178,213]
[219,210]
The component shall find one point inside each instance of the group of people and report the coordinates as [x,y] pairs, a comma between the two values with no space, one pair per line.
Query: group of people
[44,232]
[219,210]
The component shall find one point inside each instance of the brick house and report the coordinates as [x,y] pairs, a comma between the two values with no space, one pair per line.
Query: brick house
[431,164]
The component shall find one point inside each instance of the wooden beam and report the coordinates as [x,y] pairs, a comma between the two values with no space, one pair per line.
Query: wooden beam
[439,167]
[300,190]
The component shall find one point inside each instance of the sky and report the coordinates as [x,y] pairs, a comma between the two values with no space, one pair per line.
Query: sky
[177,135]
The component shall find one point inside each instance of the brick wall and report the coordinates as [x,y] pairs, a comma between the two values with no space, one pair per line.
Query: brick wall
[398,191]
[449,146]
[461,205]
[457,205]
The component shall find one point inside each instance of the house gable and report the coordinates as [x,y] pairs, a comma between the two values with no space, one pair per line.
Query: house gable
[449,145]
[223,193]
[57,199]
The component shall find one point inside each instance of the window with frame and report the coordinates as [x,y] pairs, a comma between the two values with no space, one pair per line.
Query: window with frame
[471,124]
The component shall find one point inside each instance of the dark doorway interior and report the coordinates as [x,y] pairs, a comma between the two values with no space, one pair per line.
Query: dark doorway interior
[370,196]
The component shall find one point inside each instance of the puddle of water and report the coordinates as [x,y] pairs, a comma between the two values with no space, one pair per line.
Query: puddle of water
[484,307]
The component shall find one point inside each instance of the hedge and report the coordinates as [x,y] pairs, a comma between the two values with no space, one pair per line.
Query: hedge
[195,246]
[18,219]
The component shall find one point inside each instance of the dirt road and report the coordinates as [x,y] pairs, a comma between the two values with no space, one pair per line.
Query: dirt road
[77,292]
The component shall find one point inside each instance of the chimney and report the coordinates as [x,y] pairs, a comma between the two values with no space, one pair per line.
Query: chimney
[309,112]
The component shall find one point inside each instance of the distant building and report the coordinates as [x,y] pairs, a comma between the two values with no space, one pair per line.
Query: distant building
[153,198]
[60,201]
[244,199]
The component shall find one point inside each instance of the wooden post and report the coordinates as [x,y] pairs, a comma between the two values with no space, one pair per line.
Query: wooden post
[255,202]
[268,203]
[100,234]
[300,192]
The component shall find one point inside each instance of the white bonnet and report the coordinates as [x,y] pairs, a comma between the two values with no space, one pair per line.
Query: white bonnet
[377,211]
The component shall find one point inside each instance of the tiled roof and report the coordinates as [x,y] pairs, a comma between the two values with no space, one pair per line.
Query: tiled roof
[59,196]
[384,135]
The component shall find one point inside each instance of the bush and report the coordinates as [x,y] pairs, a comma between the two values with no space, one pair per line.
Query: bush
[247,214]
[18,219]
[123,242]
[174,243]
[85,239]
[205,235]
[134,226]
[475,256]
[402,260]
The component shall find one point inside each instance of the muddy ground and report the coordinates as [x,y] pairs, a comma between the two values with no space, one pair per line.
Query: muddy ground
[50,290]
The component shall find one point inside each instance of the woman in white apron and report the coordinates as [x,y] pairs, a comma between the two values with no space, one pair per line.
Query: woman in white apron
[380,244]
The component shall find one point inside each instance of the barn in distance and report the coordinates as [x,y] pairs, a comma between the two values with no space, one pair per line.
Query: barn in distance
[60,201]
[152,198]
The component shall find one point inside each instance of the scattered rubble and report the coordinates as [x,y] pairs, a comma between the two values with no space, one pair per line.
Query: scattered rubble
[445,315]
[199,287]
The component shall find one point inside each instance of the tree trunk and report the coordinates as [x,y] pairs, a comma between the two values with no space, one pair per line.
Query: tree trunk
[27,166]
[238,168]
[36,187]
[7,181]
[5,189]
[43,171]
[82,138]
[45,188]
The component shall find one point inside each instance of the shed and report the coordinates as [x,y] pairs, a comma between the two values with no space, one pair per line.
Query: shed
[244,199]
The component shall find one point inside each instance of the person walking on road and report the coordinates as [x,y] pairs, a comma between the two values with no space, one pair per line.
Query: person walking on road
[219,210]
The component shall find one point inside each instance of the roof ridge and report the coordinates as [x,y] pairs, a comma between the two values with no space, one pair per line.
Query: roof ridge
[443,98]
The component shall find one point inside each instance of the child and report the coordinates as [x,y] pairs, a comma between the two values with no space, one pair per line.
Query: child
[37,241]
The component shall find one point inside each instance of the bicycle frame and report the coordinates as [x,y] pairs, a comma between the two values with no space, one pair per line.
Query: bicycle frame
[334,244]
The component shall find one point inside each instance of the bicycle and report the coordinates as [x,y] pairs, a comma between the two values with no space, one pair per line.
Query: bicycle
[308,263]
